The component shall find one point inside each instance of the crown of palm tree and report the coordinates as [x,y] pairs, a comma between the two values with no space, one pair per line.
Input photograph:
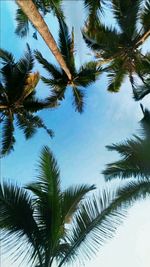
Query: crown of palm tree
[58,81]
[17,98]
[135,154]
[61,226]
[44,7]
[119,47]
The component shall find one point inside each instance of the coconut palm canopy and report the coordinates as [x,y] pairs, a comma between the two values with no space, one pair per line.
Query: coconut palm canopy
[57,225]
[17,99]
[58,81]
[120,46]
[135,154]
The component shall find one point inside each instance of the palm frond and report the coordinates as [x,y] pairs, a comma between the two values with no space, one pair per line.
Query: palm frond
[135,154]
[78,96]
[53,70]
[141,91]
[98,218]
[104,42]
[145,16]
[17,219]
[66,45]
[47,191]
[87,74]
[8,139]
[22,20]
[126,14]
[6,57]
[71,198]
[29,123]
[116,76]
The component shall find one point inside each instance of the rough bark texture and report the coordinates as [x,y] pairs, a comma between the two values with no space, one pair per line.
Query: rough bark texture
[37,20]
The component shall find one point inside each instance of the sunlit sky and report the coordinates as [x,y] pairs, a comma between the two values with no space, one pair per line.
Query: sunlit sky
[79,142]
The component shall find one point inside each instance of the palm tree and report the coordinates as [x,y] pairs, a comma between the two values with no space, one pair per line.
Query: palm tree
[31,12]
[60,226]
[120,48]
[17,99]
[58,81]
[135,153]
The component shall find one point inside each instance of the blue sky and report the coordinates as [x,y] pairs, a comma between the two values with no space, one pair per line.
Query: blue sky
[79,142]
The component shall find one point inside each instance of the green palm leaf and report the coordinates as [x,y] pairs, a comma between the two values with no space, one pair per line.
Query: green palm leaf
[8,139]
[135,155]
[6,57]
[22,28]
[71,198]
[17,218]
[145,17]
[98,217]
[141,91]
[126,14]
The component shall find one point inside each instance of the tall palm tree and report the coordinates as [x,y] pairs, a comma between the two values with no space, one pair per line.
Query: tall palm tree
[120,48]
[31,12]
[59,226]
[58,81]
[135,153]
[17,99]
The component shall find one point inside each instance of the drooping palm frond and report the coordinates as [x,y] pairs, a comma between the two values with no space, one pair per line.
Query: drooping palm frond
[141,91]
[145,16]
[78,99]
[98,217]
[135,155]
[17,222]
[94,10]
[7,139]
[71,198]
[126,14]
[6,57]
[116,75]
[22,28]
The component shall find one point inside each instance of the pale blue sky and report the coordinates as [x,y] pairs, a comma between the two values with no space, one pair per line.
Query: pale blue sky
[79,142]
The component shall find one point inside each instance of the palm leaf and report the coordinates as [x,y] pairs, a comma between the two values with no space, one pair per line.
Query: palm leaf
[116,75]
[145,16]
[87,74]
[8,139]
[126,14]
[53,70]
[47,189]
[6,57]
[16,206]
[98,218]
[105,41]
[78,96]
[29,123]
[66,45]
[71,198]
[22,20]
[141,91]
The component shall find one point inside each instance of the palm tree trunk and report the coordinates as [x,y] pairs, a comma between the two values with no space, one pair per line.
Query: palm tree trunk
[37,20]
